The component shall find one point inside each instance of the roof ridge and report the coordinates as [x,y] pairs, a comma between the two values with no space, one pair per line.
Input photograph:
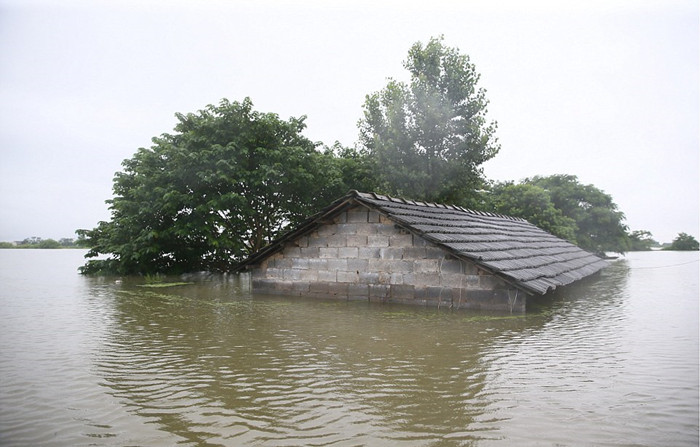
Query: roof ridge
[422,203]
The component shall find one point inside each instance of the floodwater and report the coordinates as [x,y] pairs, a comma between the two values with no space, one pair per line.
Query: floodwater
[97,361]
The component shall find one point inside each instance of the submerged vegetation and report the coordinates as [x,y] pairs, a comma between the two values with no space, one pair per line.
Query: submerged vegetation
[230,179]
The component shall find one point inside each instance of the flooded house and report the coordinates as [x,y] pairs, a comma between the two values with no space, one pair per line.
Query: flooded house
[373,247]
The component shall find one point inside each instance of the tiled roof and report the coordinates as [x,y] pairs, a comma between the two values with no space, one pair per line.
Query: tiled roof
[521,253]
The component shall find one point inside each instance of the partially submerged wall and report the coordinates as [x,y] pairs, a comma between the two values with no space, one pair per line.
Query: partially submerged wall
[362,255]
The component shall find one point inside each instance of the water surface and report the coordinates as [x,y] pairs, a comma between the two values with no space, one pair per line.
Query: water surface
[107,361]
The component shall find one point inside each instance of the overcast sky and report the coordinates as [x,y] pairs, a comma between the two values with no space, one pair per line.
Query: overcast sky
[604,90]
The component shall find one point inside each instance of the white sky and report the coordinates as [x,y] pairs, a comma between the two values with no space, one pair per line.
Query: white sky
[605,90]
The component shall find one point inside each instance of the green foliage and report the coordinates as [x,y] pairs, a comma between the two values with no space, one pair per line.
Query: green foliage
[684,242]
[559,204]
[599,223]
[48,243]
[428,139]
[37,242]
[532,203]
[226,183]
[641,240]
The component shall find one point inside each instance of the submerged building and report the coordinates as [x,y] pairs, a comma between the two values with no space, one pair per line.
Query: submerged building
[379,248]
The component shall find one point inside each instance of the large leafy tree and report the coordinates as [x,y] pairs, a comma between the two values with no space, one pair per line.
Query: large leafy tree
[641,240]
[225,183]
[684,242]
[532,203]
[427,139]
[599,223]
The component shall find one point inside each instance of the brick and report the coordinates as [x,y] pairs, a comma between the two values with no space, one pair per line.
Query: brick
[388,230]
[338,289]
[390,253]
[302,241]
[396,278]
[275,273]
[358,290]
[349,277]
[291,251]
[357,215]
[425,265]
[369,277]
[360,265]
[469,268]
[356,240]
[377,240]
[300,263]
[367,229]
[401,266]
[434,253]
[419,241]
[284,263]
[328,252]
[427,279]
[341,218]
[308,275]
[338,264]
[373,217]
[380,291]
[348,252]
[452,280]
[451,266]
[349,228]
[368,253]
[327,230]
[470,282]
[379,265]
[292,274]
[309,252]
[402,291]
[300,288]
[318,263]
[385,278]
[328,276]
[414,253]
[318,241]
[337,240]
[401,240]
[490,282]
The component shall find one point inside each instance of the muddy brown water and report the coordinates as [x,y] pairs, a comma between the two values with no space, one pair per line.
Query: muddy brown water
[107,361]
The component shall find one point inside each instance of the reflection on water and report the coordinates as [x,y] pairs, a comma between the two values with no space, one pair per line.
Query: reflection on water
[613,361]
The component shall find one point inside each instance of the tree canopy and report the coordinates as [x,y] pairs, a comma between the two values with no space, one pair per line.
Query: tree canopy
[533,204]
[599,223]
[560,204]
[230,179]
[224,184]
[641,240]
[428,139]
[684,242]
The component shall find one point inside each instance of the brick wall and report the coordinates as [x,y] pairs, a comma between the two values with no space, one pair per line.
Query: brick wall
[362,255]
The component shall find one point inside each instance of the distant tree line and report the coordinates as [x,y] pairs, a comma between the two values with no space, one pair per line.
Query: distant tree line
[230,179]
[37,242]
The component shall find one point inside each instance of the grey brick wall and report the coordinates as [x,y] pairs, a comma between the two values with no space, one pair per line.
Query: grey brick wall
[362,255]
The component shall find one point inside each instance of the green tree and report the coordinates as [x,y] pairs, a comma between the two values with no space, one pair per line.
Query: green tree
[599,223]
[532,203]
[641,240]
[684,242]
[48,243]
[226,183]
[353,168]
[428,139]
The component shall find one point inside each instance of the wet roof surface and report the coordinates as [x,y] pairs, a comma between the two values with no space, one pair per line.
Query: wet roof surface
[511,247]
